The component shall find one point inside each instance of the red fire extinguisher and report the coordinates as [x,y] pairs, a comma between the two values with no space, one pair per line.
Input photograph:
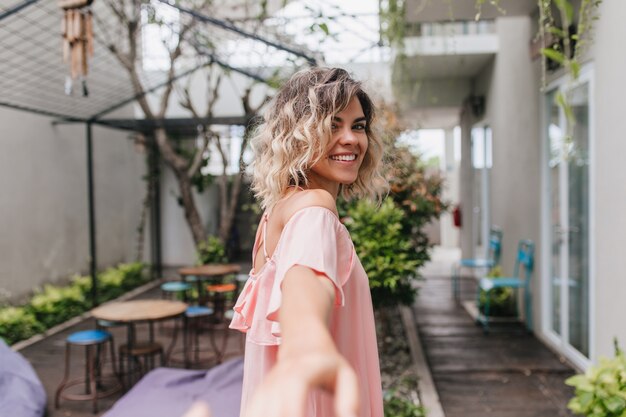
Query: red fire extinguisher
[456,216]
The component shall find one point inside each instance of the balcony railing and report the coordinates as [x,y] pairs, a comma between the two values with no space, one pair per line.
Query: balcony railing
[459,28]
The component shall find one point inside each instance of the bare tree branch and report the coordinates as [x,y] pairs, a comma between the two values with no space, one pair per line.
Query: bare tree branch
[199,156]
[171,74]
[214,96]
[220,149]
[120,13]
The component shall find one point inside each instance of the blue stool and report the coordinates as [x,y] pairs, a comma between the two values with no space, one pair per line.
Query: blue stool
[194,317]
[192,327]
[91,339]
[172,288]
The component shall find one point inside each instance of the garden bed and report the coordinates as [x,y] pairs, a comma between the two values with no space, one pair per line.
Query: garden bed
[398,373]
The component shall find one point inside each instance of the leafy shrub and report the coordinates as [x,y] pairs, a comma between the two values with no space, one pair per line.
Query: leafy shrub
[82,282]
[398,406]
[601,391]
[54,305]
[113,282]
[384,250]
[18,324]
[211,251]
[501,300]
[417,194]
[133,274]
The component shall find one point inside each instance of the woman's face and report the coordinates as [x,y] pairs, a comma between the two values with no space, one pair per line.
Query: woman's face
[345,151]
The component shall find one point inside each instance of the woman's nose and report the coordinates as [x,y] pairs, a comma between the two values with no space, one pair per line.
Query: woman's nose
[348,137]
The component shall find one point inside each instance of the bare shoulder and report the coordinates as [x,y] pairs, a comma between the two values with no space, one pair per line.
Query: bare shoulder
[306,198]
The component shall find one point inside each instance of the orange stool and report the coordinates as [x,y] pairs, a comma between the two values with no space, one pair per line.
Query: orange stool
[219,299]
[218,292]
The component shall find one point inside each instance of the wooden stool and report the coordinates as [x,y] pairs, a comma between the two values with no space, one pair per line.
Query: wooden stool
[93,379]
[142,353]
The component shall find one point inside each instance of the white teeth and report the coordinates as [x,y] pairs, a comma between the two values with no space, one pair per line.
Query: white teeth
[343,157]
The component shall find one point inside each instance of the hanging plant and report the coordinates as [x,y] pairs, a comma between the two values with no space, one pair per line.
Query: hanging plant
[564,46]
[392,22]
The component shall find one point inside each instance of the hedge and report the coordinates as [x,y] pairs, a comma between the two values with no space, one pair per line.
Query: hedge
[54,304]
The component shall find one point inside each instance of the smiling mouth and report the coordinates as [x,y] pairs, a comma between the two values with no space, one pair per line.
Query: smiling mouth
[346,158]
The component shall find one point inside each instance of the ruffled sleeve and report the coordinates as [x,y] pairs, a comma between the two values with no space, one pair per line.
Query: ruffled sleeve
[313,237]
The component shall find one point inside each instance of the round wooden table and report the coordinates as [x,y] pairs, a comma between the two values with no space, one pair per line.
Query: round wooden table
[210,270]
[137,311]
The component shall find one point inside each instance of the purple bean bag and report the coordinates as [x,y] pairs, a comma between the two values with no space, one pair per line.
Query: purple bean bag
[21,391]
[169,392]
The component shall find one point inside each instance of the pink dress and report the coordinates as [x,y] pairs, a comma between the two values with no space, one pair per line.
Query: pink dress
[315,238]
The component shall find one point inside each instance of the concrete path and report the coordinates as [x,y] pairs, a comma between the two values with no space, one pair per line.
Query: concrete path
[507,373]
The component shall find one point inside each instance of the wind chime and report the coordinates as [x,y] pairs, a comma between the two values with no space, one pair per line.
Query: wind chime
[77,33]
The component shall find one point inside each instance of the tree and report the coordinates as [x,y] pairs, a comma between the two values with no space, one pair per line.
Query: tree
[128,16]
[229,185]
[184,163]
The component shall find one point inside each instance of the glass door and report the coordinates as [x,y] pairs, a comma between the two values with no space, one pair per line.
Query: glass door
[568,218]
[481,164]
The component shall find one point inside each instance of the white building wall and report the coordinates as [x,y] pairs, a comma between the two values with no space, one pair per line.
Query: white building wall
[449,232]
[44,229]
[610,176]
[511,91]
[177,245]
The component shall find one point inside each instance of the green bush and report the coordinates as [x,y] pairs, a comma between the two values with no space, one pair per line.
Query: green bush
[211,251]
[501,300]
[18,324]
[601,391]
[384,250]
[54,305]
[417,193]
[113,282]
[398,406]
[133,274]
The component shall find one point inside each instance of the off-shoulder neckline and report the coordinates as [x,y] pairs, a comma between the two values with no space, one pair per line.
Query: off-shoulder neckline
[280,238]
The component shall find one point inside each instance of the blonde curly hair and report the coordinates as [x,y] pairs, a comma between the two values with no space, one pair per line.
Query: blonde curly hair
[296,132]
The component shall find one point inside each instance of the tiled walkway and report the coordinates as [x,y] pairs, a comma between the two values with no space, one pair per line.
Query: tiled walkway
[507,373]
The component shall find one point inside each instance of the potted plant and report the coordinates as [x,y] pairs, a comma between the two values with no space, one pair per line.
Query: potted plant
[601,391]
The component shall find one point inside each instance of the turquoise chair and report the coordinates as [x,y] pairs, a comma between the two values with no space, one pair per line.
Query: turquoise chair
[493,259]
[525,260]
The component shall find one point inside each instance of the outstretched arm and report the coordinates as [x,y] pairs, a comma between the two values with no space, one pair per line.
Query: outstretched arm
[307,357]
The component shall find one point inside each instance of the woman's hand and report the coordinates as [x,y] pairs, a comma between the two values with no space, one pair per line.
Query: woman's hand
[284,391]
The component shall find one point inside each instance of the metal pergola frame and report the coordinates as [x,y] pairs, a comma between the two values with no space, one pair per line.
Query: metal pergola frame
[185,126]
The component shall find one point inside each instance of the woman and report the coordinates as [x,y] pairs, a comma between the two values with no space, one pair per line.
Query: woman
[306,307]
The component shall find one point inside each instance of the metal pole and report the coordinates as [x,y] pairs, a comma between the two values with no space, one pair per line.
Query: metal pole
[16,8]
[158,267]
[151,187]
[231,27]
[155,209]
[92,219]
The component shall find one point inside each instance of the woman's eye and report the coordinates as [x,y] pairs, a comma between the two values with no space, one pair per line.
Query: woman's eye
[334,126]
[358,127]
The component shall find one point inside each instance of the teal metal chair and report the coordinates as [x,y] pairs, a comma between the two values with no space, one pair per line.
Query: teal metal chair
[493,259]
[525,261]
